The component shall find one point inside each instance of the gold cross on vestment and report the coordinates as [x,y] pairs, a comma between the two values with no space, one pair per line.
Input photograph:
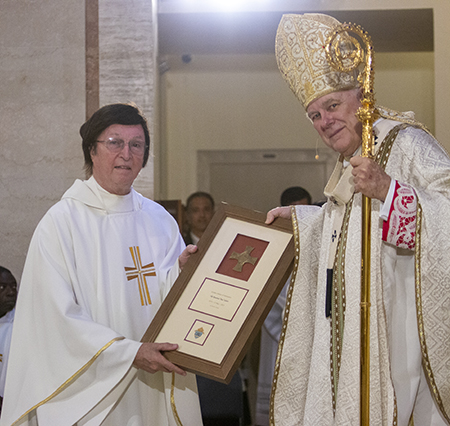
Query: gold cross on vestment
[140,272]
[243,258]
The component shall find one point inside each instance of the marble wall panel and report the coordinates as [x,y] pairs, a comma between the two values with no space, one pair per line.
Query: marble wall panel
[126,63]
[42,87]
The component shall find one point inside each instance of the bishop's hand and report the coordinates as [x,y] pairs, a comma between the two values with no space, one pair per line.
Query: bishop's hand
[369,178]
[284,212]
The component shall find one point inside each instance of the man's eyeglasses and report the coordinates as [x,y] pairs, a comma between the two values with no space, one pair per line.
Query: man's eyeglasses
[116,145]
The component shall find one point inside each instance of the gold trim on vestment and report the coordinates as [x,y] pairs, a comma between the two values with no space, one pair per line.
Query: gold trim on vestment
[423,344]
[68,381]
[402,117]
[384,152]
[381,158]
[390,114]
[338,304]
[172,401]
[286,315]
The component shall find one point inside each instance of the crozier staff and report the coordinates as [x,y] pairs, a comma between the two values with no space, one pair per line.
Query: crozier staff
[317,381]
[100,263]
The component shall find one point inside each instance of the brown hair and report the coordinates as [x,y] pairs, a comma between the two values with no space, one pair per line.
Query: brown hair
[127,114]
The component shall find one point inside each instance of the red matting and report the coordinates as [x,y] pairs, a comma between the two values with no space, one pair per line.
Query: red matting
[239,245]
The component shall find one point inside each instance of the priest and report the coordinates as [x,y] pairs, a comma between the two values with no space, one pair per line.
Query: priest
[318,364]
[100,263]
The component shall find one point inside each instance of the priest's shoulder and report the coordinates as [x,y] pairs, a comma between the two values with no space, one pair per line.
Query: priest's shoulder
[153,206]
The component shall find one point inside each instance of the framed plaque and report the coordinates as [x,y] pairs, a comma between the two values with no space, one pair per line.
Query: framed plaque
[225,291]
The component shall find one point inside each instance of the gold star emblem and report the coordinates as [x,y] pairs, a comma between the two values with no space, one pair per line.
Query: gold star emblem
[243,258]
[140,272]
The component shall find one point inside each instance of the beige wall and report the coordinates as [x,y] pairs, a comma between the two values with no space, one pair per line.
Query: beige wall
[42,94]
[42,89]
[43,102]
[441,16]
[126,51]
[242,103]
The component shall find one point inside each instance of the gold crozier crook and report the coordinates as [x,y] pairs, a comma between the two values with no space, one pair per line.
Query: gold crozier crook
[344,53]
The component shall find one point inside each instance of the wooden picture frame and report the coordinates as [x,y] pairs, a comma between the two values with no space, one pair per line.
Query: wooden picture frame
[225,291]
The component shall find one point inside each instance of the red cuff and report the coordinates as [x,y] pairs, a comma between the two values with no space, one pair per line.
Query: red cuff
[386,223]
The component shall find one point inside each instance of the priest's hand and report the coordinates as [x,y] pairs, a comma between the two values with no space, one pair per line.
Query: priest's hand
[184,256]
[150,358]
[278,212]
[369,178]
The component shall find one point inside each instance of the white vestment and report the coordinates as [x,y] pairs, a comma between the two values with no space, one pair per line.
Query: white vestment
[410,304]
[270,335]
[6,325]
[98,268]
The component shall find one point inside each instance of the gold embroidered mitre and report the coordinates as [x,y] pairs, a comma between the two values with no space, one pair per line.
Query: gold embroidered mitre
[301,57]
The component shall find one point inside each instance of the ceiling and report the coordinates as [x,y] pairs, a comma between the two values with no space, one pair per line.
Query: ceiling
[214,33]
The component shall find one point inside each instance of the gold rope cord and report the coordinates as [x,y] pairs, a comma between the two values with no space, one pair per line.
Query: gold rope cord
[172,401]
[286,316]
[68,381]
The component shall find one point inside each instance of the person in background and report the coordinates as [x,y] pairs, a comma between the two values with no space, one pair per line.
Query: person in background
[99,265]
[199,212]
[295,196]
[271,329]
[317,378]
[8,297]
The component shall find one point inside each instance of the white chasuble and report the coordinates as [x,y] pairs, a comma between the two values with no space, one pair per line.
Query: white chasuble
[410,306]
[97,270]
[6,325]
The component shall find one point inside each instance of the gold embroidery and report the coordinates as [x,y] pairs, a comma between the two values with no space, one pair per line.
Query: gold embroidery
[402,117]
[301,57]
[384,152]
[172,401]
[140,272]
[338,306]
[422,338]
[70,380]
[286,315]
